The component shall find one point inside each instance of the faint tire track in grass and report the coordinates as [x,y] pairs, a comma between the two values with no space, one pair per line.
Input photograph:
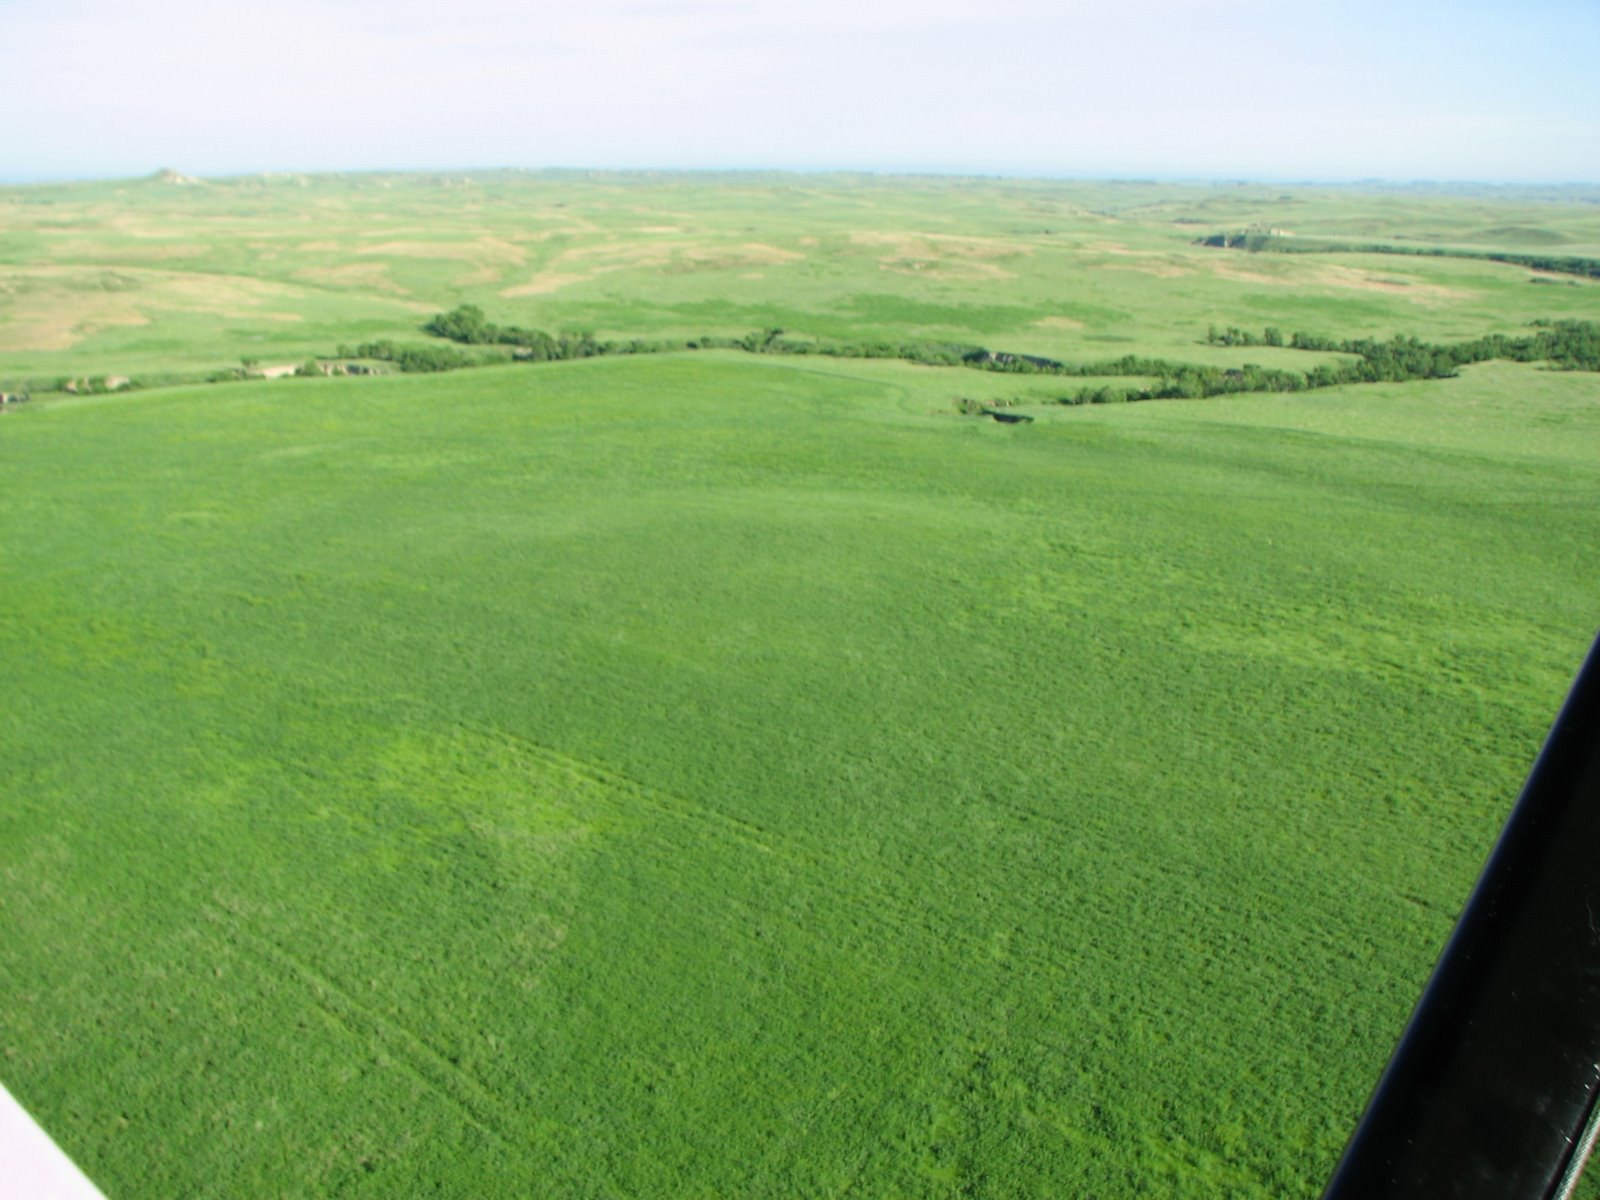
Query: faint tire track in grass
[421,1061]
[873,905]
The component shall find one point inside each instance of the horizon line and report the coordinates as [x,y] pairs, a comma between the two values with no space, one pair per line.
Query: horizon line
[904,172]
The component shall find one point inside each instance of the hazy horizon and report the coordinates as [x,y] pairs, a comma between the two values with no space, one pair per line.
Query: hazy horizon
[909,172]
[1171,89]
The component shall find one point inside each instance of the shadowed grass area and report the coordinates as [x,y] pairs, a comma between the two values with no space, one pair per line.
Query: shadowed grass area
[706,775]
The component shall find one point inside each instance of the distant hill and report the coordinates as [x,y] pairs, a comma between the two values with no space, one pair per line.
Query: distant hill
[169,175]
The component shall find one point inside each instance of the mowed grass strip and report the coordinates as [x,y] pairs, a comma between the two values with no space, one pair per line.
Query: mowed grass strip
[705,776]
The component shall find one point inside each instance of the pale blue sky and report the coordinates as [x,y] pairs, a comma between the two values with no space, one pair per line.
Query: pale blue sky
[1299,89]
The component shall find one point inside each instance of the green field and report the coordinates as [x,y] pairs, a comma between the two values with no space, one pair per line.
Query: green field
[718,775]
[146,277]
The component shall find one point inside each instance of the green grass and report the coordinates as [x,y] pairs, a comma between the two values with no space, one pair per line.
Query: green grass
[139,277]
[705,775]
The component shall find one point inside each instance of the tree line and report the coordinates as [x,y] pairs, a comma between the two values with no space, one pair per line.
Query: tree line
[1567,345]
[467,325]
[1253,241]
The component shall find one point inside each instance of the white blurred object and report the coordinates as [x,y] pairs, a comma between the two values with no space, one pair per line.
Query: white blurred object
[33,1166]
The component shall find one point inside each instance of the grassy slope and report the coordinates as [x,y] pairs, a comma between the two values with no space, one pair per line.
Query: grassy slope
[720,776]
[143,277]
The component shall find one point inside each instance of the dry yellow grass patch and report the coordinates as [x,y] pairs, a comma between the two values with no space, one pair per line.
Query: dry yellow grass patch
[1301,271]
[229,295]
[55,308]
[546,282]
[614,255]
[589,262]
[941,255]
[126,253]
[933,268]
[940,245]
[456,251]
[1158,263]
[1335,275]
[1058,323]
[582,263]
[565,221]
[132,224]
[62,321]
[760,252]
[503,250]
[361,276]
[749,254]
[1161,270]
[1123,250]
[1225,272]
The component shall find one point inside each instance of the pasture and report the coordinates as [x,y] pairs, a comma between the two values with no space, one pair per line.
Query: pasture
[703,774]
[150,278]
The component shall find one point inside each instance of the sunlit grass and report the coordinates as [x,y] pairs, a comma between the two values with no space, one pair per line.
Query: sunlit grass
[699,775]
